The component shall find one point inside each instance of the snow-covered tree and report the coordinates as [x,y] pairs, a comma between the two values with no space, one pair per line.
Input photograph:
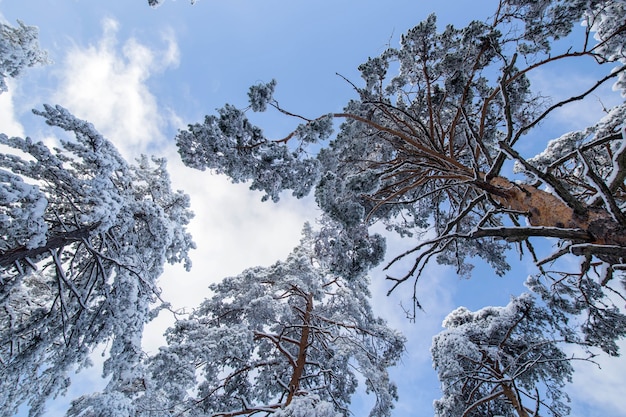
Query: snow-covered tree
[444,151]
[286,340]
[19,48]
[85,236]
[424,152]
[503,361]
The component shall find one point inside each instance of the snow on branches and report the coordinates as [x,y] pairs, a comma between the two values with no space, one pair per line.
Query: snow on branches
[424,151]
[289,339]
[502,361]
[19,48]
[85,236]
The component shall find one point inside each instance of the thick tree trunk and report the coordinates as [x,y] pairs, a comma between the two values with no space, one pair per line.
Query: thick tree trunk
[548,210]
[511,395]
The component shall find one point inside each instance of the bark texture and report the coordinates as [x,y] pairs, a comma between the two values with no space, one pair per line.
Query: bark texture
[548,210]
[296,376]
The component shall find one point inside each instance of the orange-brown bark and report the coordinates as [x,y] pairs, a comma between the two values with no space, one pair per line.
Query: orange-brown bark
[296,376]
[546,209]
[511,395]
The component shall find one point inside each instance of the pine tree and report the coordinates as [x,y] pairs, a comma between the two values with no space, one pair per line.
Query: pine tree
[437,152]
[424,152]
[503,361]
[275,340]
[85,237]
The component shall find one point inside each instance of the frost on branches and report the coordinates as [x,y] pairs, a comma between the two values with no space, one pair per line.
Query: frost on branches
[427,152]
[424,152]
[85,235]
[19,48]
[503,361]
[287,340]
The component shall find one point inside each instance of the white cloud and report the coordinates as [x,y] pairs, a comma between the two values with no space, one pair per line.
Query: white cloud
[171,56]
[108,87]
[563,85]
[107,84]
[601,390]
[9,125]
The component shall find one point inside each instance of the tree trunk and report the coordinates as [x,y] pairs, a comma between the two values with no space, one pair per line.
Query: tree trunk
[548,210]
[296,376]
[511,395]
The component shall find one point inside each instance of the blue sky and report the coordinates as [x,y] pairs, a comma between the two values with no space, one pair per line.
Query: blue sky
[140,74]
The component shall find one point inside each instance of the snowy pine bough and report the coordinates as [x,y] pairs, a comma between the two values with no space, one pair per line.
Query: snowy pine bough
[289,340]
[85,237]
[503,361]
[425,149]
[286,340]
[19,48]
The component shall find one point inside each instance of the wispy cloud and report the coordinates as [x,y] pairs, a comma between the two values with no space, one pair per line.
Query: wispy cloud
[106,83]
[560,86]
[598,391]
[9,125]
